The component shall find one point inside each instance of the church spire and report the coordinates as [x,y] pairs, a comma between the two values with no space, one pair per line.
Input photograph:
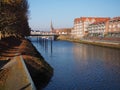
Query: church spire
[51,27]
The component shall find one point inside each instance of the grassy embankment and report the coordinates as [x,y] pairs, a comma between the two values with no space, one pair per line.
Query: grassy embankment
[39,69]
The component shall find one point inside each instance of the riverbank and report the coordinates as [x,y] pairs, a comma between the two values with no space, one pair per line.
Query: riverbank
[103,43]
[39,69]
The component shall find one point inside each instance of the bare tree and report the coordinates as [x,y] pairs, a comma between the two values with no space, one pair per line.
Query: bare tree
[14,18]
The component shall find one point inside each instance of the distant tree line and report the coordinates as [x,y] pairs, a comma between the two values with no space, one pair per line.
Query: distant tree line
[14,18]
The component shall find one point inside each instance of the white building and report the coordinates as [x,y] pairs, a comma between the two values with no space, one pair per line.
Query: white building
[114,27]
[81,25]
[98,28]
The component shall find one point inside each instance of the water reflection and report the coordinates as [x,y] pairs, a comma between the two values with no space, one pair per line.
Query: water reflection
[88,53]
[82,67]
[99,67]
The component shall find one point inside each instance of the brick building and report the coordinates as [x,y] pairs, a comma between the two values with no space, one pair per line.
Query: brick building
[98,28]
[114,27]
[81,25]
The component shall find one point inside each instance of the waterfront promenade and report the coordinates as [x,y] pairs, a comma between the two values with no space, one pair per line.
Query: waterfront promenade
[105,42]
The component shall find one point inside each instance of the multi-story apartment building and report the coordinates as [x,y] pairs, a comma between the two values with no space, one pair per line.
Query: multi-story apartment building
[110,27]
[114,27]
[81,24]
[98,28]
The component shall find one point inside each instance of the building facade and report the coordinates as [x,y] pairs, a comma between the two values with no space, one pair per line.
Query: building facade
[63,31]
[81,25]
[114,27]
[108,28]
[98,29]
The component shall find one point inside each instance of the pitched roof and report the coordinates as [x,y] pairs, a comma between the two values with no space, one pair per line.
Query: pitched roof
[115,19]
[97,19]
[101,21]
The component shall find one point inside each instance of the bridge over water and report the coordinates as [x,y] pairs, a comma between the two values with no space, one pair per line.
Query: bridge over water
[45,35]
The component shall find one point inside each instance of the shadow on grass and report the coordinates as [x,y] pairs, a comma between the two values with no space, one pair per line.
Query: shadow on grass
[10,53]
[3,62]
[41,77]
[8,45]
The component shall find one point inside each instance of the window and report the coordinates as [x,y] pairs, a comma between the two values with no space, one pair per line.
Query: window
[110,26]
[113,26]
[118,25]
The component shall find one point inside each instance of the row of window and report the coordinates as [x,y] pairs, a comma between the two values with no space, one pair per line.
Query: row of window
[114,29]
[92,28]
[97,30]
[115,25]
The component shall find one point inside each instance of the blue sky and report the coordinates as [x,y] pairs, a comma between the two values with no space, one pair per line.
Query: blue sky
[63,12]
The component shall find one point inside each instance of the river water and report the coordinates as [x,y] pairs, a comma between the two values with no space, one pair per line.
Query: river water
[81,66]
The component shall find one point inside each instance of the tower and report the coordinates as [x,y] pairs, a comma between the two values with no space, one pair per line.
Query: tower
[51,27]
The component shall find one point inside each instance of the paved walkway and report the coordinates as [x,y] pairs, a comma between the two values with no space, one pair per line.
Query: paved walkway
[103,41]
[18,78]
[13,72]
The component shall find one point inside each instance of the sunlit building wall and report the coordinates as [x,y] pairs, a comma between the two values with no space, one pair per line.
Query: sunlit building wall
[81,25]
[99,28]
[114,27]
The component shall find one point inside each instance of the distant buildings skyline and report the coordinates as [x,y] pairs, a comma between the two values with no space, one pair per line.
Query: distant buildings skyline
[88,27]
[63,12]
